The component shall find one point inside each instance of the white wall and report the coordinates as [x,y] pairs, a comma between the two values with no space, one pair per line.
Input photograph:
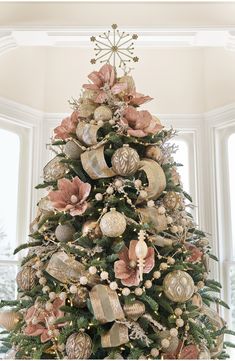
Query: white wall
[181,80]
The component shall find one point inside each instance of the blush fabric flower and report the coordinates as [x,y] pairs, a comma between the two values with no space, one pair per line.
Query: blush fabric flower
[105,76]
[195,253]
[189,352]
[67,126]
[126,269]
[71,196]
[42,327]
[136,99]
[139,123]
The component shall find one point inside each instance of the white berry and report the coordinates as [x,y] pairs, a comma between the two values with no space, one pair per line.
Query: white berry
[46,289]
[83,280]
[112,121]
[173,332]
[163,266]
[150,203]
[169,220]
[113,286]
[126,291]
[138,291]
[118,183]
[154,352]
[109,190]
[104,275]
[174,229]
[92,270]
[179,322]
[170,260]
[161,210]
[52,296]
[73,289]
[178,311]
[148,284]
[99,196]
[165,343]
[63,296]
[180,229]
[100,122]
[156,275]
[42,281]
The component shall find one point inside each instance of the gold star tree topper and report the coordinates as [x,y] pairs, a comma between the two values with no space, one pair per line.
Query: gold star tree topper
[114,46]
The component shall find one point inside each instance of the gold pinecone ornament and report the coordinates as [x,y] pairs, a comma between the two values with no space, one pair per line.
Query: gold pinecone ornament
[172,200]
[80,298]
[79,346]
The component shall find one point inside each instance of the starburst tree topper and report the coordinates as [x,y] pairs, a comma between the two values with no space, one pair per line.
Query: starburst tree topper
[114,46]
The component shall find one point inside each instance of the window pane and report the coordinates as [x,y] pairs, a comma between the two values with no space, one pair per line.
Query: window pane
[9,150]
[7,282]
[231,153]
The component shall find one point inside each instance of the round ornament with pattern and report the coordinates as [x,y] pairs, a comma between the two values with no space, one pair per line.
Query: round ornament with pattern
[178,286]
[79,346]
[125,161]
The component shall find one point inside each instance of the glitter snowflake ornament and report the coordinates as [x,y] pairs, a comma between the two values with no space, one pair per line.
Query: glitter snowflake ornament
[114,46]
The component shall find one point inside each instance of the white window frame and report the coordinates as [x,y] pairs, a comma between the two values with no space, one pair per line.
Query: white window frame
[27,124]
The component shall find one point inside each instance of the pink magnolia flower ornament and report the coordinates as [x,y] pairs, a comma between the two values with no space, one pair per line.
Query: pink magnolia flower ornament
[139,123]
[126,268]
[37,320]
[195,253]
[67,126]
[71,196]
[104,77]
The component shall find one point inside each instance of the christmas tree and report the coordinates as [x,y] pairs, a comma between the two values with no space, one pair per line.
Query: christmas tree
[116,267]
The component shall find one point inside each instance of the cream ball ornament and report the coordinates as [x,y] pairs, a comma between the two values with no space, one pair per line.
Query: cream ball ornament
[103,112]
[113,223]
[154,352]
[169,343]
[64,232]
[125,161]
[178,286]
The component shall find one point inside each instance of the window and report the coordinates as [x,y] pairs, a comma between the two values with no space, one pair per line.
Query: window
[186,155]
[8,211]
[231,169]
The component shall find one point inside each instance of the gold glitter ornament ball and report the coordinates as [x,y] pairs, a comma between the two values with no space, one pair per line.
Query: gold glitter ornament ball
[79,346]
[26,278]
[80,298]
[64,232]
[125,161]
[178,286]
[103,113]
[113,223]
[54,169]
[171,200]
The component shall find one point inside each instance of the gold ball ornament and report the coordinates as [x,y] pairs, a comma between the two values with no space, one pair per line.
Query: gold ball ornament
[80,298]
[103,113]
[134,310]
[26,278]
[64,232]
[73,150]
[8,319]
[54,170]
[153,152]
[173,341]
[125,161]
[92,229]
[178,286]
[86,108]
[172,200]
[113,223]
[79,346]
